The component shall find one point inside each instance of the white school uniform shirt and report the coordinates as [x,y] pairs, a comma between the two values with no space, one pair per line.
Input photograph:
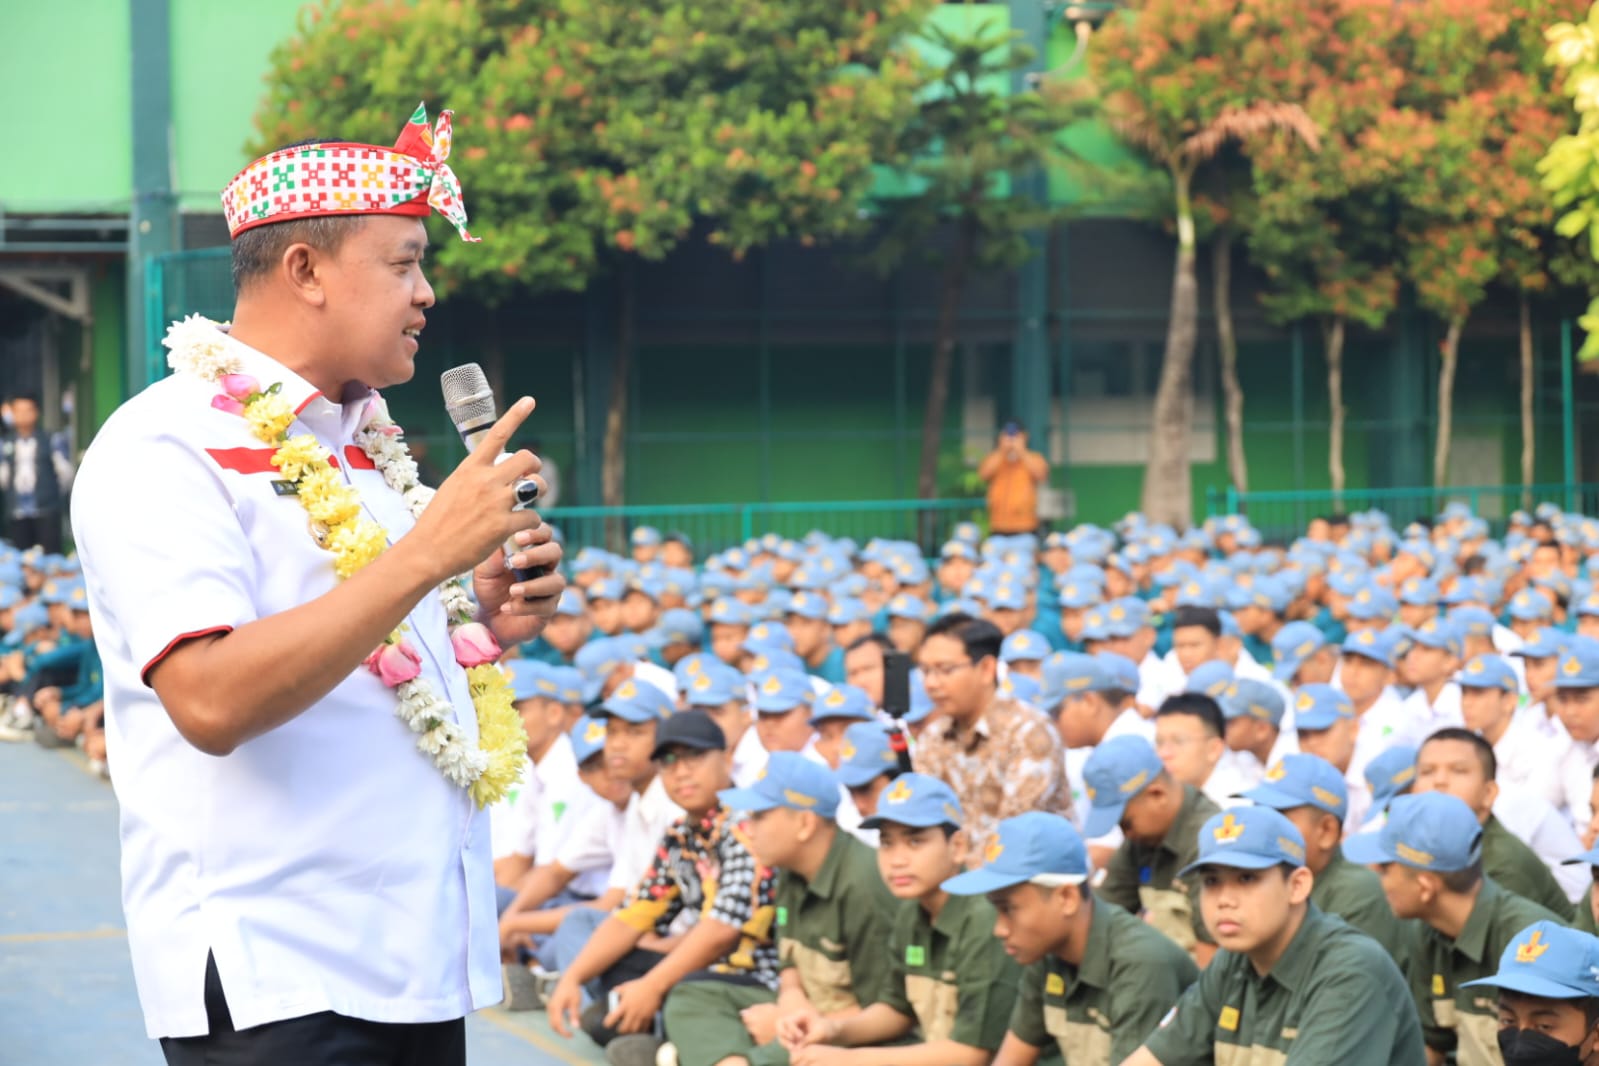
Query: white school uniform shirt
[1226,781]
[1548,834]
[1525,755]
[645,821]
[1156,680]
[327,865]
[1427,718]
[749,759]
[1576,778]
[549,794]
[1128,723]
[588,848]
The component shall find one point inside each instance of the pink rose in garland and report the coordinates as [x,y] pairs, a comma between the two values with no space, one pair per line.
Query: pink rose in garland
[227,404]
[236,388]
[474,645]
[394,663]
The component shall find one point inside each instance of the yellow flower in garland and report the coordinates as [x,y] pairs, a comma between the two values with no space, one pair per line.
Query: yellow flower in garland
[300,455]
[326,498]
[270,417]
[355,544]
[500,733]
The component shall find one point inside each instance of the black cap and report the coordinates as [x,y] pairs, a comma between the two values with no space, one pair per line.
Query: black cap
[689,729]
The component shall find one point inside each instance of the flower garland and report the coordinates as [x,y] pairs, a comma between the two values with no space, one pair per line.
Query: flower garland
[199,348]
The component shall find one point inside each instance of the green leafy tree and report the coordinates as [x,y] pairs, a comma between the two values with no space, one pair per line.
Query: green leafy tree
[593,134]
[1322,224]
[952,157]
[1173,89]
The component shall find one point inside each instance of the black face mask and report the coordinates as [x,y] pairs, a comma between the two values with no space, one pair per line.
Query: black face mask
[1528,1047]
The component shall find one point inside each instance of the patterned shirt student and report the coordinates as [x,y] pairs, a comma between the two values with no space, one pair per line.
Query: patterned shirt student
[1008,762]
[706,867]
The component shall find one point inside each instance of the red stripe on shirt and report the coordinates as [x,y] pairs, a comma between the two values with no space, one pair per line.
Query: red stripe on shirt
[144,675]
[259,460]
[358,459]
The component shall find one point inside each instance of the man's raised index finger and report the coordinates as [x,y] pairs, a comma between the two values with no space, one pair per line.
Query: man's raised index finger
[499,434]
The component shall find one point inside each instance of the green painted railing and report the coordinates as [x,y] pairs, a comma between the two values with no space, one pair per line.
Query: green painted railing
[1285,514]
[713,527]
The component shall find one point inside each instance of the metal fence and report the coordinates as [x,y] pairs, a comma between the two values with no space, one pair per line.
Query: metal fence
[1284,515]
[716,526]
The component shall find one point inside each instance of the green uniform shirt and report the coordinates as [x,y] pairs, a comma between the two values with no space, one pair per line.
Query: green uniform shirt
[1518,869]
[1102,1011]
[1143,879]
[1354,893]
[951,974]
[1335,998]
[1466,1020]
[833,929]
[1584,920]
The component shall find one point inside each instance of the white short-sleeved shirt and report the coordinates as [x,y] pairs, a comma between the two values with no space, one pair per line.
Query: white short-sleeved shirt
[643,824]
[550,796]
[1427,718]
[1525,754]
[588,848]
[749,759]
[327,865]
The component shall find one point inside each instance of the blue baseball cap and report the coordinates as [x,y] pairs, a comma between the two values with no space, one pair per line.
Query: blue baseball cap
[847,610]
[905,605]
[790,780]
[1248,838]
[1119,672]
[1530,605]
[1320,707]
[1579,664]
[1007,596]
[764,636]
[1293,644]
[714,685]
[1437,633]
[1549,642]
[26,619]
[1547,960]
[1250,697]
[1065,673]
[1472,621]
[1419,592]
[1024,645]
[1390,773]
[1299,780]
[865,755]
[588,738]
[1430,831]
[1022,688]
[780,691]
[730,612]
[572,602]
[569,679]
[918,801]
[807,604]
[1117,771]
[646,537]
[607,588]
[10,596]
[1126,616]
[531,679]
[1211,678]
[764,657]
[1029,847]
[1371,603]
[843,701]
[1375,644]
[636,702]
[1488,671]
[680,626]
[1076,594]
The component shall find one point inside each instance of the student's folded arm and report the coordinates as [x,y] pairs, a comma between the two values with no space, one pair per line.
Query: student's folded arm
[1017,1052]
[707,943]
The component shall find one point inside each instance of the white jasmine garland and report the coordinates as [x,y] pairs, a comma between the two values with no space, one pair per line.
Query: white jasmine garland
[198,347]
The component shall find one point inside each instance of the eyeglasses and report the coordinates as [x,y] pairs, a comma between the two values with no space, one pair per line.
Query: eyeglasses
[689,757]
[944,669]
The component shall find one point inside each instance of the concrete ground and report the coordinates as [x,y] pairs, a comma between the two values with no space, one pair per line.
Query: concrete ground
[66,984]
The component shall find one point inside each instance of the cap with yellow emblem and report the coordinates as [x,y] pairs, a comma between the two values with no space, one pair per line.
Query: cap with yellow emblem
[843,701]
[1430,831]
[1298,780]
[637,702]
[1118,770]
[1036,848]
[789,780]
[1248,838]
[917,801]
[588,738]
[1550,961]
[1579,664]
[780,691]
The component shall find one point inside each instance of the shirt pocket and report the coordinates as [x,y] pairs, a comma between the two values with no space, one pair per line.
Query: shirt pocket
[828,981]
[935,1004]
[1078,1041]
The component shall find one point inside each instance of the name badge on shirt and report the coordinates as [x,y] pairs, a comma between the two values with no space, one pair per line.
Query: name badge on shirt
[1228,1019]
[1054,985]
[915,955]
[285,488]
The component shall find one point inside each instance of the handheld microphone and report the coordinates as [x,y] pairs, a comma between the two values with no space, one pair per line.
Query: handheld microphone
[469,402]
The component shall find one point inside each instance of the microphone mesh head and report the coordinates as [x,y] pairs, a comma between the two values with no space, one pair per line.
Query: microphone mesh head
[467,396]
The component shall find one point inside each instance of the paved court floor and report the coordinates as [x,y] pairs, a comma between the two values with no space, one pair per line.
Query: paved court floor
[66,985]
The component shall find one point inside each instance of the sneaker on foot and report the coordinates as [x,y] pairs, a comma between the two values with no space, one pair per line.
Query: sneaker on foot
[521,989]
[637,1049]
[666,1055]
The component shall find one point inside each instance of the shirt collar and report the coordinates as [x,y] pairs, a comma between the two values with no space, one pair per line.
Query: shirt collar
[325,418]
[822,886]
[1298,960]
[953,914]
[1095,968]
[1473,939]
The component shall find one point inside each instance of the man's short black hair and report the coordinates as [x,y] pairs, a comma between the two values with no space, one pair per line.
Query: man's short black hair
[1462,881]
[258,249]
[1484,750]
[980,637]
[1197,705]
[29,396]
[883,643]
[1205,618]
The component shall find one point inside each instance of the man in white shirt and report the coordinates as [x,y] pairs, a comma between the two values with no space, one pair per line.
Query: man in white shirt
[297,871]
[1254,713]
[1190,740]
[35,474]
[1577,701]
[1488,702]
[1325,720]
[1096,703]
[1430,664]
